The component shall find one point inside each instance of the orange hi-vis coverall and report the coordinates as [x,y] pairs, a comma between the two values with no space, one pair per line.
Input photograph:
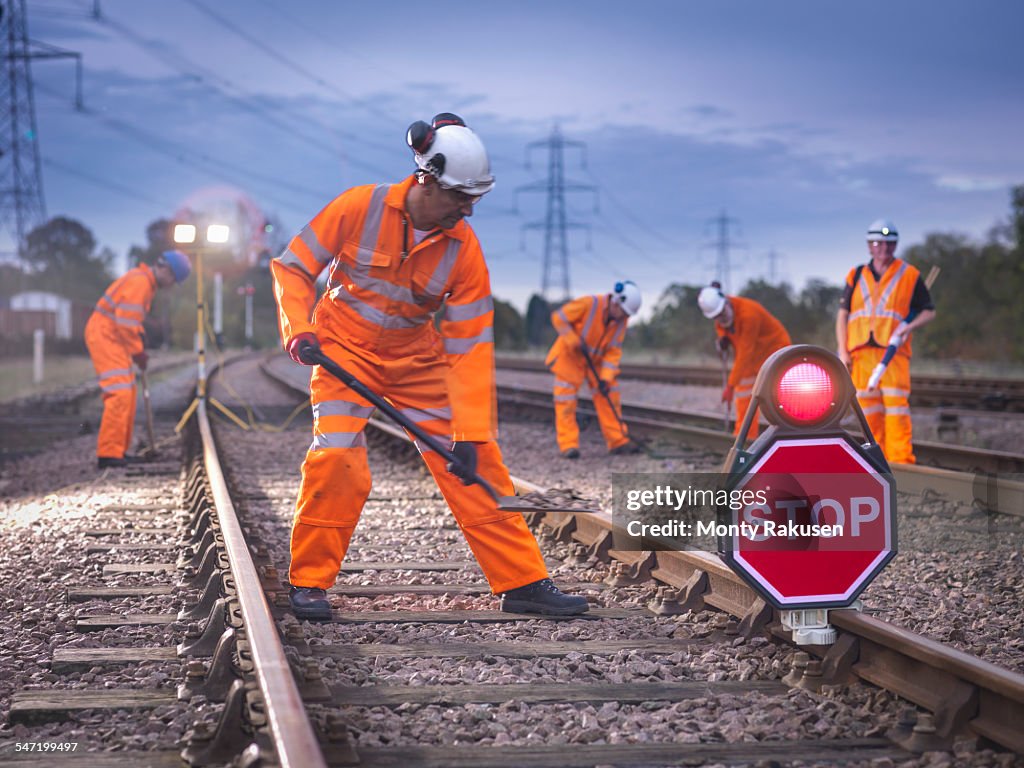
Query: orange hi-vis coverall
[587,318]
[876,308]
[755,335]
[113,334]
[375,321]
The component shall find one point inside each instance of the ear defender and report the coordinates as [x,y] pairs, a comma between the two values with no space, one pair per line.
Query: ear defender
[420,136]
[442,119]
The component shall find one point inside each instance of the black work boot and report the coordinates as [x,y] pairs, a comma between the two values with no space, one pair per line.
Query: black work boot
[543,597]
[110,462]
[571,453]
[310,603]
[626,449]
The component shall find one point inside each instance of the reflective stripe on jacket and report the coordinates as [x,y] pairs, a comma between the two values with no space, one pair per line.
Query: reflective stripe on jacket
[382,293]
[123,307]
[755,335]
[585,318]
[878,306]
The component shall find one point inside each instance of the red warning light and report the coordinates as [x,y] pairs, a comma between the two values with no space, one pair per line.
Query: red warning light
[805,392]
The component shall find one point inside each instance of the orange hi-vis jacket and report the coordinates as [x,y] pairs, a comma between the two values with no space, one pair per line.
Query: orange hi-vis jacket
[755,335]
[122,308]
[585,317]
[382,293]
[878,306]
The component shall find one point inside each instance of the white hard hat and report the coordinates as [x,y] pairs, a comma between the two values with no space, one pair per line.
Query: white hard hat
[884,230]
[451,153]
[711,301]
[627,295]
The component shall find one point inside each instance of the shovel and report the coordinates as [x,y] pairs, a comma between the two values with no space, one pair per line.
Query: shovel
[150,452]
[313,355]
[723,355]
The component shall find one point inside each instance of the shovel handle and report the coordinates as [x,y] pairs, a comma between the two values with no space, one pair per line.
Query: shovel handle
[312,354]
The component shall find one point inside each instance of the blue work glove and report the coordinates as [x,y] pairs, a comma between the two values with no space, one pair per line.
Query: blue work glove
[604,387]
[465,467]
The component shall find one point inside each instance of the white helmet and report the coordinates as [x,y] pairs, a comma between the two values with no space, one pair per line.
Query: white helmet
[451,153]
[883,230]
[627,295]
[711,301]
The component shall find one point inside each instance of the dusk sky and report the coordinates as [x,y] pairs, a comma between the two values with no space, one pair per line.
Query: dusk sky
[802,120]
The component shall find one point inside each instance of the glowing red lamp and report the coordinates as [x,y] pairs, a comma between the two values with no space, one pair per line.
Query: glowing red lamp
[805,392]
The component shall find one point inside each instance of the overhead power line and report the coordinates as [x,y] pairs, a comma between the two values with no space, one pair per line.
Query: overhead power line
[284,60]
[190,157]
[241,98]
[112,186]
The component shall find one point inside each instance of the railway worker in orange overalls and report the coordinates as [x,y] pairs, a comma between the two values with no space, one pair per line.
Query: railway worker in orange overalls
[753,332]
[877,298]
[115,339]
[394,253]
[594,326]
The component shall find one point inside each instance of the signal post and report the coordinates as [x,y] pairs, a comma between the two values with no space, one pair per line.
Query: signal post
[822,524]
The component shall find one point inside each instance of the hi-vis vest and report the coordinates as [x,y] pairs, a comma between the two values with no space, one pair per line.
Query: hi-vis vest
[123,307]
[878,306]
[383,290]
[584,317]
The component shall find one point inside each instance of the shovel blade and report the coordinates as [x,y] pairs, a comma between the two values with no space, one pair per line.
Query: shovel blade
[517,504]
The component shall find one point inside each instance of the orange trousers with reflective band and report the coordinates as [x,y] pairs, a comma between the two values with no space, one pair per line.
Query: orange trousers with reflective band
[887,409]
[113,366]
[566,428]
[336,475]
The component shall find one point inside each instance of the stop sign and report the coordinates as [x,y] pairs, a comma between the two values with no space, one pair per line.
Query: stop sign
[818,522]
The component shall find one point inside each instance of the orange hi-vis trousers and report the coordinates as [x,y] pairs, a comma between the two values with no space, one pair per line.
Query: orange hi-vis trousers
[887,409]
[113,366]
[566,428]
[336,476]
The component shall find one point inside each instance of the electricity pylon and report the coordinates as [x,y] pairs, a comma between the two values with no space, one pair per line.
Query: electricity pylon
[555,273]
[22,205]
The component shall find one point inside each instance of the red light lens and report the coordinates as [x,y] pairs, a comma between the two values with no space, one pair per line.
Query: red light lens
[804,392]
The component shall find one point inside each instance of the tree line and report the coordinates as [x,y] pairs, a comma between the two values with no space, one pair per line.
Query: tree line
[979,313]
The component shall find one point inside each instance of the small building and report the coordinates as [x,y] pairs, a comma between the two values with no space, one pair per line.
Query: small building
[57,316]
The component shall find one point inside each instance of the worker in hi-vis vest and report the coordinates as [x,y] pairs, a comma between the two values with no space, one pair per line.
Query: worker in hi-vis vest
[589,348]
[115,339]
[877,301]
[753,332]
[394,254]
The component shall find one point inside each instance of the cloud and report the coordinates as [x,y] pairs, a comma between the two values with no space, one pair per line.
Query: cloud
[971,183]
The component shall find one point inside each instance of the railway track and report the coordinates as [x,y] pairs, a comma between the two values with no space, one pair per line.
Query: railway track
[970,392]
[961,474]
[417,666]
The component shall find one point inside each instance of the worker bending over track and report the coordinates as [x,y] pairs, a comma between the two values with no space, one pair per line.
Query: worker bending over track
[394,253]
[876,300]
[589,348]
[753,332]
[115,339]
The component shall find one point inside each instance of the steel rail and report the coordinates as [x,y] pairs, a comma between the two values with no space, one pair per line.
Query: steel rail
[962,690]
[294,740]
[986,394]
[977,480]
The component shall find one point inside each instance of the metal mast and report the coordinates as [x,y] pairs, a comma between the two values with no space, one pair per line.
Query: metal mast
[555,272]
[22,205]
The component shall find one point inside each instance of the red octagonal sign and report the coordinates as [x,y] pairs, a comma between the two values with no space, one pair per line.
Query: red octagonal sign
[818,523]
